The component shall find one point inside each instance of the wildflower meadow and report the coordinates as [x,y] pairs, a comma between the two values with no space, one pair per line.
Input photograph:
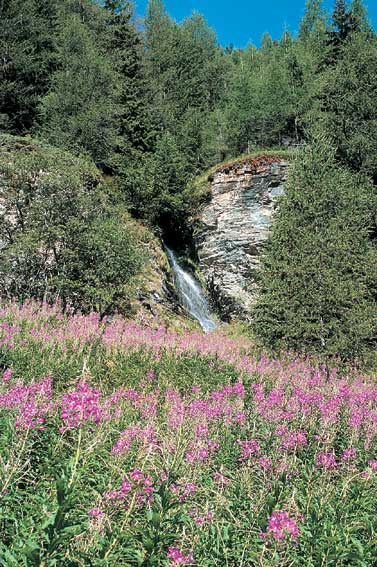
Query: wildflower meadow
[130,446]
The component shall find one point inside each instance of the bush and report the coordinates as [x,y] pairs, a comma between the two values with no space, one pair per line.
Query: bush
[62,236]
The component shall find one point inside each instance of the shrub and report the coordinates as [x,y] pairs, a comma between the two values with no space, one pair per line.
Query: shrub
[61,236]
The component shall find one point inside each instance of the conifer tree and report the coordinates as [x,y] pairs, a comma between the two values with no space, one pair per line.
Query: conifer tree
[318,277]
[346,21]
[341,19]
[346,109]
[169,175]
[359,16]
[313,13]
[27,57]
[125,49]
[80,111]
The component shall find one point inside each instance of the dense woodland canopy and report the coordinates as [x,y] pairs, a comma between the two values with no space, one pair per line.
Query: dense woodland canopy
[155,105]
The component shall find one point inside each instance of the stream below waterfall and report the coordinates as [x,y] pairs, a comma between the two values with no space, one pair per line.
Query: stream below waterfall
[191,295]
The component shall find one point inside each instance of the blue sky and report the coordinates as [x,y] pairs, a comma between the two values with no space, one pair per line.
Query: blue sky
[244,21]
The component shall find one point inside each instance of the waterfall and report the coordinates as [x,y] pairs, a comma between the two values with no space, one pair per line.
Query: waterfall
[190,294]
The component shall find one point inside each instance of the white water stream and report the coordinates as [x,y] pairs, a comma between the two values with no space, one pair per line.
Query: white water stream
[191,295]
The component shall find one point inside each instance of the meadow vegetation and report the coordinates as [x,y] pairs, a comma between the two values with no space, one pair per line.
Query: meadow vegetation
[123,445]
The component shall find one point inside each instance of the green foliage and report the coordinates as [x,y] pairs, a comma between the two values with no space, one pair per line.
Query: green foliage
[312,17]
[79,113]
[125,49]
[346,110]
[61,236]
[318,280]
[27,55]
[346,20]
[69,498]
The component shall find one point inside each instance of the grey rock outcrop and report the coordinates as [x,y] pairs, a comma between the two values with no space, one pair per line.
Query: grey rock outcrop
[232,228]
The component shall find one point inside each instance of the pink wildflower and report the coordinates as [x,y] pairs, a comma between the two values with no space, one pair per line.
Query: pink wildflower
[249,448]
[280,526]
[136,475]
[178,558]
[81,406]
[220,478]
[32,403]
[326,460]
[294,440]
[265,463]
[7,375]
[96,513]
[349,455]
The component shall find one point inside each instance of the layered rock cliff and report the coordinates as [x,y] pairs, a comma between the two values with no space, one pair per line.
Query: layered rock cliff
[232,228]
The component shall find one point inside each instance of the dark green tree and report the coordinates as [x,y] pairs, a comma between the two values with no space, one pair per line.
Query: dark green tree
[169,176]
[27,58]
[313,15]
[318,277]
[80,112]
[346,109]
[341,19]
[359,16]
[346,21]
[125,50]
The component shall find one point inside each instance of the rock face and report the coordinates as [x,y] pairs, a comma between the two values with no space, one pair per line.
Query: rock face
[232,228]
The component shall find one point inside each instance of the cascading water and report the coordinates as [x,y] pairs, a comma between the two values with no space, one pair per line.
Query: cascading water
[191,295]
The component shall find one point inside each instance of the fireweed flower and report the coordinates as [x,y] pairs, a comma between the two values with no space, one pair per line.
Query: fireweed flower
[280,526]
[219,478]
[200,452]
[31,403]
[145,436]
[249,448]
[349,454]
[294,439]
[81,406]
[184,492]
[136,475]
[151,376]
[7,375]
[96,518]
[326,460]
[138,484]
[265,463]
[96,513]
[178,558]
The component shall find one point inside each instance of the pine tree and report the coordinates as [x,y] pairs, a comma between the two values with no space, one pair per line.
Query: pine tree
[346,21]
[346,109]
[27,57]
[166,203]
[359,17]
[125,49]
[341,19]
[313,14]
[80,111]
[318,277]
